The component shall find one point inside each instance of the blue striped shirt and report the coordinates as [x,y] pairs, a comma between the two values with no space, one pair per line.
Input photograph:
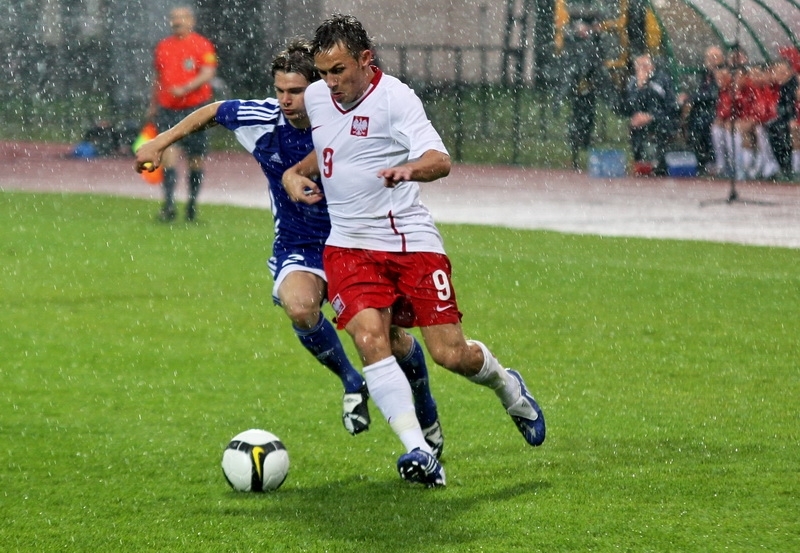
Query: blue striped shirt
[261,128]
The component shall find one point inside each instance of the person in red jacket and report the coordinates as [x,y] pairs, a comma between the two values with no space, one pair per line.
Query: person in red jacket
[744,117]
[765,109]
[184,63]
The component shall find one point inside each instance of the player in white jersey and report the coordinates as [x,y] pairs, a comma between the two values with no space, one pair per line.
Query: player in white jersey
[384,257]
[390,119]
[276,132]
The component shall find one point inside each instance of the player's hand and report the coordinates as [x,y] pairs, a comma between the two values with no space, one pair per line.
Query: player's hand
[395,175]
[640,119]
[148,157]
[178,91]
[300,188]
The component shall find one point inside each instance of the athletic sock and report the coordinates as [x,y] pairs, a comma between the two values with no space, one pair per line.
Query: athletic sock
[324,344]
[195,181]
[170,178]
[391,393]
[416,371]
[747,162]
[718,142]
[769,166]
[494,376]
[729,151]
[796,162]
[738,160]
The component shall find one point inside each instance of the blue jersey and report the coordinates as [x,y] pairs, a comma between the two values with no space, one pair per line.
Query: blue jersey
[262,129]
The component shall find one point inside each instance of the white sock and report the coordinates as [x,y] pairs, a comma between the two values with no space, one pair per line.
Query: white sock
[769,165]
[796,161]
[762,141]
[494,376]
[729,150]
[738,160]
[391,392]
[718,142]
[747,162]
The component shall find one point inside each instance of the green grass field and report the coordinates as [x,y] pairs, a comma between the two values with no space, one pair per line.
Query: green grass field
[131,352]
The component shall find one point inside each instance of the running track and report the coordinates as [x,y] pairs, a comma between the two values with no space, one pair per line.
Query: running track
[766,214]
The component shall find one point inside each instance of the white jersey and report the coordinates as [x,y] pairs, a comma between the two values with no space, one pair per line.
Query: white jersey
[387,127]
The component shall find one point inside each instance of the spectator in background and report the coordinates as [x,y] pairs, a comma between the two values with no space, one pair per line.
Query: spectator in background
[737,58]
[792,55]
[766,100]
[184,64]
[744,106]
[721,128]
[585,76]
[651,104]
[794,130]
[778,129]
[702,106]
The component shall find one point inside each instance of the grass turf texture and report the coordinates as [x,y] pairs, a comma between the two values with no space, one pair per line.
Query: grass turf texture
[133,351]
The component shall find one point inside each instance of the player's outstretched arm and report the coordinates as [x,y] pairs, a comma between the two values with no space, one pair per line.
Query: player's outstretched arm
[148,157]
[297,180]
[428,167]
[206,74]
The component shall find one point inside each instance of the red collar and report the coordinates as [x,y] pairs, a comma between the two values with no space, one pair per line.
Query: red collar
[373,84]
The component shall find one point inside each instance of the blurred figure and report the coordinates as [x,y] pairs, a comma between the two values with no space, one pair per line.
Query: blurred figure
[766,102]
[652,106]
[184,63]
[722,127]
[792,55]
[778,129]
[702,106]
[794,130]
[744,106]
[737,58]
[585,76]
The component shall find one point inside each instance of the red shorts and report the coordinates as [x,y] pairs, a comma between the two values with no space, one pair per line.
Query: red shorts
[415,285]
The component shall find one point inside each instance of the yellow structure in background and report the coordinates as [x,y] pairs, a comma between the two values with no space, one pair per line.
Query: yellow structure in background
[618,27]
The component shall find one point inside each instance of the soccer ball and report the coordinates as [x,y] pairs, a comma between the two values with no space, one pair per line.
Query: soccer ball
[255,461]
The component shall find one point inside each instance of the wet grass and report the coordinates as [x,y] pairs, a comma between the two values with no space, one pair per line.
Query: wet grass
[133,351]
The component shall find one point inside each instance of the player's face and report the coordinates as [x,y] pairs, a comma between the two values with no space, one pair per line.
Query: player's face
[346,77]
[182,21]
[714,58]
[644,66]
[781,72]
[290,89]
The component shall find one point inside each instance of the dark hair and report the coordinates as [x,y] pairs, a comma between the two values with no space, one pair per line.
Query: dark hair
[296,58]
[345,30]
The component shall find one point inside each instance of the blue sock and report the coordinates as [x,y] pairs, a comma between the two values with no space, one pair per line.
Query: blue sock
[324,344]
[416,372]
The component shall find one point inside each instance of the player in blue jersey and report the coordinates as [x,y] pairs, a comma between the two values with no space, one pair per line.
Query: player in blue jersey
[276,132]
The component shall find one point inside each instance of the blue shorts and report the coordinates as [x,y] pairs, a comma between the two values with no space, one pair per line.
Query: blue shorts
[287,260]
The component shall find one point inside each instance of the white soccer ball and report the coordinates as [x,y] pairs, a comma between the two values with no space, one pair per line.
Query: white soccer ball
[255,461]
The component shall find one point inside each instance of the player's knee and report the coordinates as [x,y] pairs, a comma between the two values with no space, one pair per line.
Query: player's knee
[372,345]
[302,315]
[400,341]
[451,358]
